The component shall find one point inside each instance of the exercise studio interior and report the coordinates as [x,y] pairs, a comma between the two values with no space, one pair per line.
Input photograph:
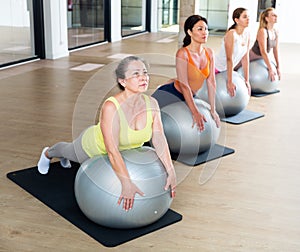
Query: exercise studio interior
[138,125]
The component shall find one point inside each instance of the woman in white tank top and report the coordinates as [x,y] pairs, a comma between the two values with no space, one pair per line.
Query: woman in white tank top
[235,48]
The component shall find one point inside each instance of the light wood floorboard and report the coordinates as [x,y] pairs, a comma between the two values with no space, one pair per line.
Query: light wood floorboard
[251,201]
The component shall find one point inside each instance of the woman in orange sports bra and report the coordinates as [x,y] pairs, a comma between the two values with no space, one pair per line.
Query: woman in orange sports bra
[194,65]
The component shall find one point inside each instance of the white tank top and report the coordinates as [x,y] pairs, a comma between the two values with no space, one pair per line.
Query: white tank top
[239,50]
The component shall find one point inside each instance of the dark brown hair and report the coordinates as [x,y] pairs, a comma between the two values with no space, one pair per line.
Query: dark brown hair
[188,25]
[236,14]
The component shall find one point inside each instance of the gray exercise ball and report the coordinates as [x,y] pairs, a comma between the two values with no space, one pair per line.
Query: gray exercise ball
[259,77]
[225,104]
[182,138]
[97,190]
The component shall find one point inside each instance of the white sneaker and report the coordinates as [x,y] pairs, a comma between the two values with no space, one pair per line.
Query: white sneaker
[65,163]
[44,162]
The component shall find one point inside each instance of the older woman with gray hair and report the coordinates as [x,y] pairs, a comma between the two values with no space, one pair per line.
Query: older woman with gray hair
[127,120]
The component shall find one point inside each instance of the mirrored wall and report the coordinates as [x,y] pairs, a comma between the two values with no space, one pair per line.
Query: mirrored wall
[168,15]
[85,22]
[133,14]
[17,32]
[216,13]
[264,4]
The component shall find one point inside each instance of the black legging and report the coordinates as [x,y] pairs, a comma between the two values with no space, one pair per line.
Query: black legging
[167,94]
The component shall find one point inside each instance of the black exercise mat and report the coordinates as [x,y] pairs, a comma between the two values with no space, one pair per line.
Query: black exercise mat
[214,152]
[56,190]
[264,94]
[242,117]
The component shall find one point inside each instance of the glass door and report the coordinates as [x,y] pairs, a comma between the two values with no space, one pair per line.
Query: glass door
[133,14]
[216,13]
[86,22]
[17,31]
[264,4]
[168,15]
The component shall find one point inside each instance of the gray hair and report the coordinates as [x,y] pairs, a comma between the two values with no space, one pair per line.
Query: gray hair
[123,67]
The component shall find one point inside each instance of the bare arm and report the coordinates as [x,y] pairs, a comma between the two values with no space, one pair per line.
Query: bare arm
[110,127]
[229,45]
[262,42]
[245,65]
[182,76]
[161,147]
[276,55]
[211,88]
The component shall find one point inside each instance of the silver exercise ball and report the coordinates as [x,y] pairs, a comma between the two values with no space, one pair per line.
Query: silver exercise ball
[182,138]
[225,104]
[97,190]
[259,77]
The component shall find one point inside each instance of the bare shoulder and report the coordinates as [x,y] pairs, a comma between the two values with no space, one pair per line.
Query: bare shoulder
[262,31]
[229,33]
[229,36]
[155,109]
[210,51]
[181,53]
[153,103]
[261,34]
[108,107]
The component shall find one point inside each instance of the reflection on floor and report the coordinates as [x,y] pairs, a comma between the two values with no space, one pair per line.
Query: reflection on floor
[80,36]
[87,67]
[250,201]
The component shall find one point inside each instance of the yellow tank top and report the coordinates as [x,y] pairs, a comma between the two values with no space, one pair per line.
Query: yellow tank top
[92,139]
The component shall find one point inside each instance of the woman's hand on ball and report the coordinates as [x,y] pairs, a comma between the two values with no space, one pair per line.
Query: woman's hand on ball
[231,88]
[278,73]
[272,75]
[248,87]
[216,117]
[129,190]
[199,120]
[171,182]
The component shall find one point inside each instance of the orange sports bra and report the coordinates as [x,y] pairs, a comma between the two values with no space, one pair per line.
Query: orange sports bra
[197,76]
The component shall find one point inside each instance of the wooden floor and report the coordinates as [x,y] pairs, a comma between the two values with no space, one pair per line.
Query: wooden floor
[248,201]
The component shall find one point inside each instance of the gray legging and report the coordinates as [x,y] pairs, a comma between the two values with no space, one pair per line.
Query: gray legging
[72,151]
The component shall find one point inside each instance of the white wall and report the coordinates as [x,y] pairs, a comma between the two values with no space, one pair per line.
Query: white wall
[56,36]
[288,18]
[288,21]
[116,21]
[155,17]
